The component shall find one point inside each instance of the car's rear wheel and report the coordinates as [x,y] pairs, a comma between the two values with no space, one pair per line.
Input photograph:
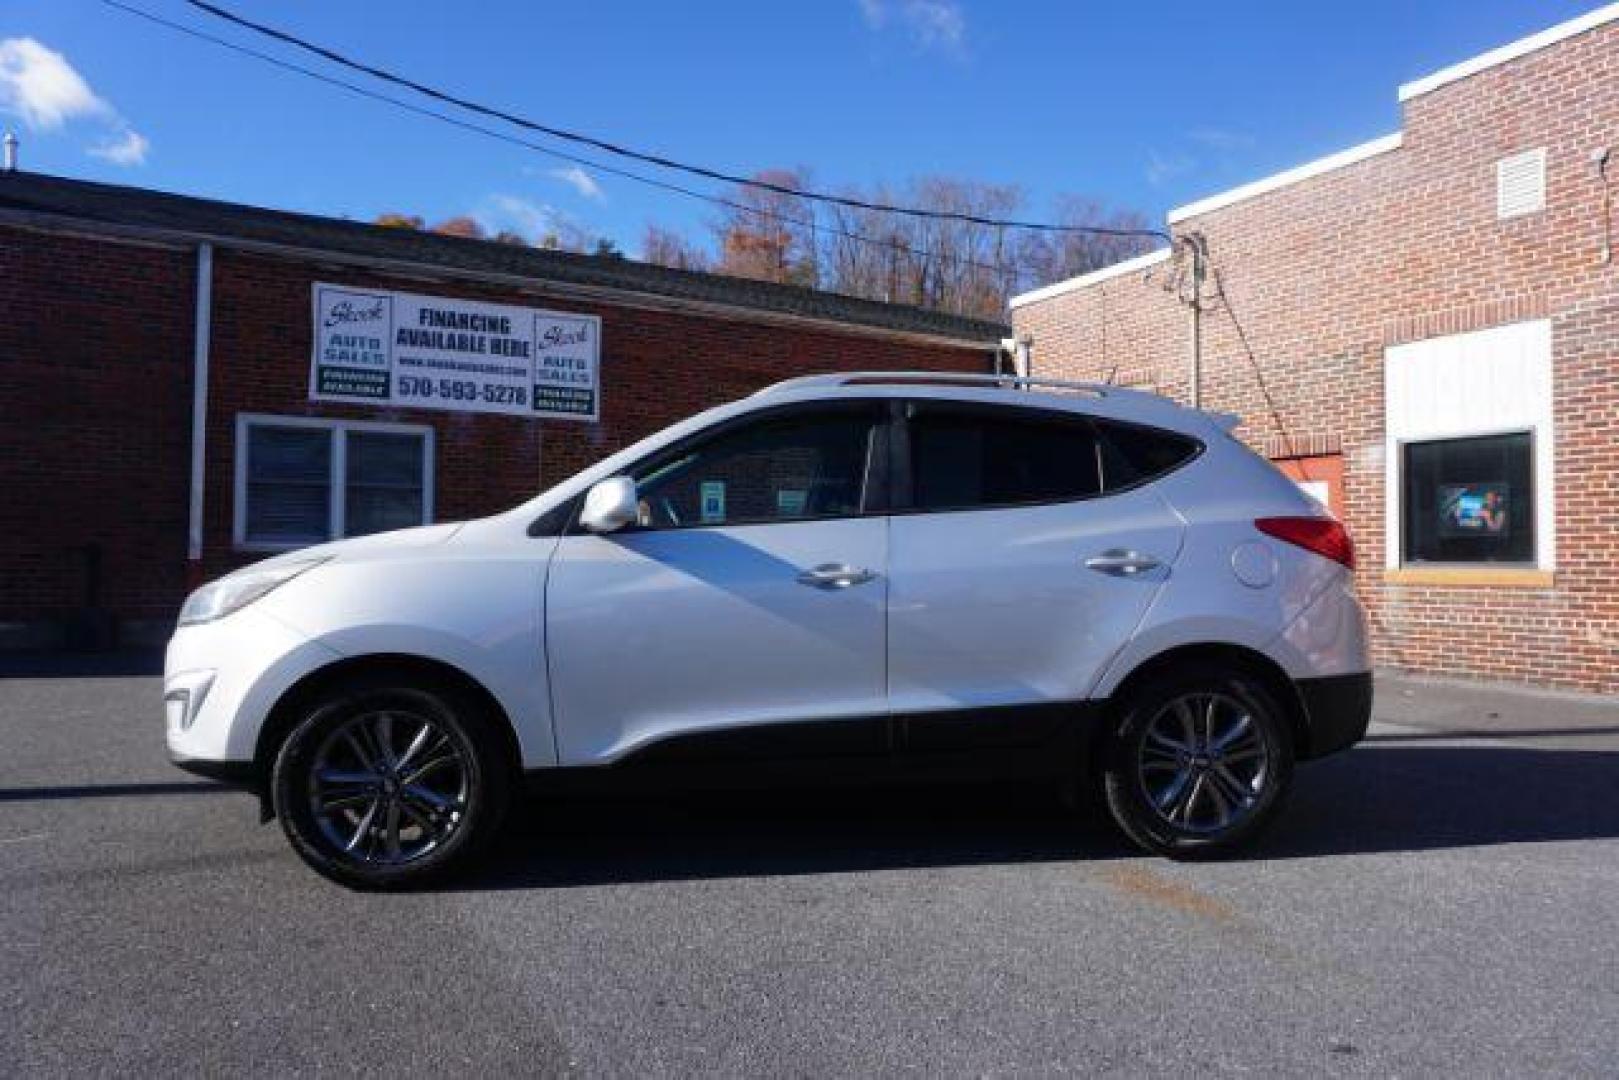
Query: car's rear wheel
[1200,763]
[386,785]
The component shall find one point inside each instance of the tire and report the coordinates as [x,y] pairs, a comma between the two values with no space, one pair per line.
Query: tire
[387,785]
[1177,791]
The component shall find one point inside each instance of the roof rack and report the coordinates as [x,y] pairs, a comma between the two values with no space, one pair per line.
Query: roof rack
[910,378]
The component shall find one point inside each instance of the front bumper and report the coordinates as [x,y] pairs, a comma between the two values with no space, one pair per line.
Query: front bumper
[220,681]
[240,774]
[1337,710]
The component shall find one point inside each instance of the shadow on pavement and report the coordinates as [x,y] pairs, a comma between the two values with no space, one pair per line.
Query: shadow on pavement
[112,791]
[123,664]
[591,841]
[1374,799]
[1452,734]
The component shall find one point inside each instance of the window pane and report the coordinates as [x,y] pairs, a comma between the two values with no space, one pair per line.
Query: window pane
[1133,454]
[802,466]
[961,459]
[384,481]
[288,484]
[1470,500]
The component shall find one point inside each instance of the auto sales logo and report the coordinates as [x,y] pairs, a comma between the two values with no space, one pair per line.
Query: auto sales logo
[347,312]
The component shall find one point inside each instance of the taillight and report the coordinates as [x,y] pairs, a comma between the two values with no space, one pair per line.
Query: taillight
[1322,535]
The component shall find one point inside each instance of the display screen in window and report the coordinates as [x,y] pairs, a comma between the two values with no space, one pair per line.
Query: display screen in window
[1470,500]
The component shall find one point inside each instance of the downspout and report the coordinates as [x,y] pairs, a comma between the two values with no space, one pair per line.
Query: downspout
[199,408]
[1017,351]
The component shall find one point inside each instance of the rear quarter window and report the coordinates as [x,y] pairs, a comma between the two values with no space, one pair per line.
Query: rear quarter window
[1133,455]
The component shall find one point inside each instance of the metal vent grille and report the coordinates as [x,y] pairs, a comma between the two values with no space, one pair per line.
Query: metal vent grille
[1520,184]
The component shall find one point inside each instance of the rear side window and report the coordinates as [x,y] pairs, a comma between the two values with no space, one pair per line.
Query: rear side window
[1133,455]
[961,458]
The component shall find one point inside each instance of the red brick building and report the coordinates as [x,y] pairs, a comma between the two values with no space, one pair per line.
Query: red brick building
[159,420]
[1424,329]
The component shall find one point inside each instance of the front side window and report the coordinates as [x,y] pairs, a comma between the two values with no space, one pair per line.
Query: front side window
[1469,500]
[796,466]
[303,483]
[965,458]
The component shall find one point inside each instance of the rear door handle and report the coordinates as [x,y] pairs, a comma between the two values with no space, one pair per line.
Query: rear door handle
[835,576]
[1121,563]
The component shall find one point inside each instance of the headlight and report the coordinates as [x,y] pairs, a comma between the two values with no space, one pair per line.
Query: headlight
[236,591]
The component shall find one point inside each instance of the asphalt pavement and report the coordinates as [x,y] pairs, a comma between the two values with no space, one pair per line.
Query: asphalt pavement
[1443,899]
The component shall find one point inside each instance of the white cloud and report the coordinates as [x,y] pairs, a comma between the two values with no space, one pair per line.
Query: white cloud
[932,24]
[127,149]
[519,215]
[40,87]
[580,181]
[1222,138]
[1162,168]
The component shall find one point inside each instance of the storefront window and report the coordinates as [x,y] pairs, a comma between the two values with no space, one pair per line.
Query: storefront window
[1469,500]
[304,481]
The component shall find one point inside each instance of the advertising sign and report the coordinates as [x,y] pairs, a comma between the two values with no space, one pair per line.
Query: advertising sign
[433,352]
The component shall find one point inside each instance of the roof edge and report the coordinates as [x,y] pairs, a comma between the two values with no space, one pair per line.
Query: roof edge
[1094,277]
[428,271]
[1381,145]
[1510,51]
[942,327]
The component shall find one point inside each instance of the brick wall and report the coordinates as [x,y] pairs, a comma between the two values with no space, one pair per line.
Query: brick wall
[95,371]
[1313,280]
[95,429]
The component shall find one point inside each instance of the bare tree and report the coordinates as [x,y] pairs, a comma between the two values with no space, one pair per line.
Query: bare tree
[949,264]
[1048,257]
[665,247]
[565,234]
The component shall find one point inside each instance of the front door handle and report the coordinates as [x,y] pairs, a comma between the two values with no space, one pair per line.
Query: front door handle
[835,576]
[1121,563]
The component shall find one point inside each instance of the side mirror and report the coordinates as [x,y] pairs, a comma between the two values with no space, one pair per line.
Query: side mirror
[610,505]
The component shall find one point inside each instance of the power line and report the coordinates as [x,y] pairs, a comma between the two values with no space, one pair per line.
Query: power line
[651,159]
[891,245]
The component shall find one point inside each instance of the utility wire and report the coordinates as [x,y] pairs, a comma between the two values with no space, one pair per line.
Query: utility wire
[718,200]
[1259,374]
[651,159]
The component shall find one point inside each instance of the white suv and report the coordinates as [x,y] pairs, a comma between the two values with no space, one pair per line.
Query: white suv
[862,574]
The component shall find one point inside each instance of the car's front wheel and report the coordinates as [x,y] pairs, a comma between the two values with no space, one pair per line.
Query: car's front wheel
[1200,763]
[385,784]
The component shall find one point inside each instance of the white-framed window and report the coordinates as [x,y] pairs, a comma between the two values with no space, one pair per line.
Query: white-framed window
[305,480]
[1469,450]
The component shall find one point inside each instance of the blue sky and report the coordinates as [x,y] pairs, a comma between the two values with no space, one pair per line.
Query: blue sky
[1141,106]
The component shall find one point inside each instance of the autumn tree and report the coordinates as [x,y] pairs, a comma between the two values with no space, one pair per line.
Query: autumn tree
[769,235]
[400,221]
[462,226]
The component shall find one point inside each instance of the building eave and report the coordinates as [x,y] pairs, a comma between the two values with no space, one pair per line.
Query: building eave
[433,272]
[1381,145]
[1095,277]
[1511,51]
